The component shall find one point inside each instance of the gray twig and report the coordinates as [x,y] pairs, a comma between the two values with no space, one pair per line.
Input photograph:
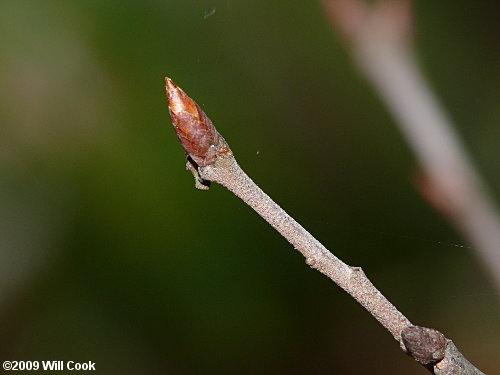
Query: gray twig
[211,159]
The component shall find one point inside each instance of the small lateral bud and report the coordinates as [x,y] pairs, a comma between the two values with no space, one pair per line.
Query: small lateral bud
[425,345]
[195,130]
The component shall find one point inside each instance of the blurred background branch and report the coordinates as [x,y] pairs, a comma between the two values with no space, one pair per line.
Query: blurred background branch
[380,38]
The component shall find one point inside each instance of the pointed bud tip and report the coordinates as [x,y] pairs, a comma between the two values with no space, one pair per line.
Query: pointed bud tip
[172,88]
[178,101]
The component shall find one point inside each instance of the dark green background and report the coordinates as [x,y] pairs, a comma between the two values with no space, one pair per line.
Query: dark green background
[109,254]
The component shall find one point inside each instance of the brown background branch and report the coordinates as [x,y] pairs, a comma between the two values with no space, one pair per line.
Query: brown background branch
[379,37]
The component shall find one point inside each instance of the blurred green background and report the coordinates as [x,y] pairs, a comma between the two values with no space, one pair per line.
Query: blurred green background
[109,254]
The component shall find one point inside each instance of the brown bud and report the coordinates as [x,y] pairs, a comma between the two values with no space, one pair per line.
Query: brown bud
[425,345]
[195,130]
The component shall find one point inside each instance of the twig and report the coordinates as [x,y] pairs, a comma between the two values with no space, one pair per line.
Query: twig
[209,158]
[379,36]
